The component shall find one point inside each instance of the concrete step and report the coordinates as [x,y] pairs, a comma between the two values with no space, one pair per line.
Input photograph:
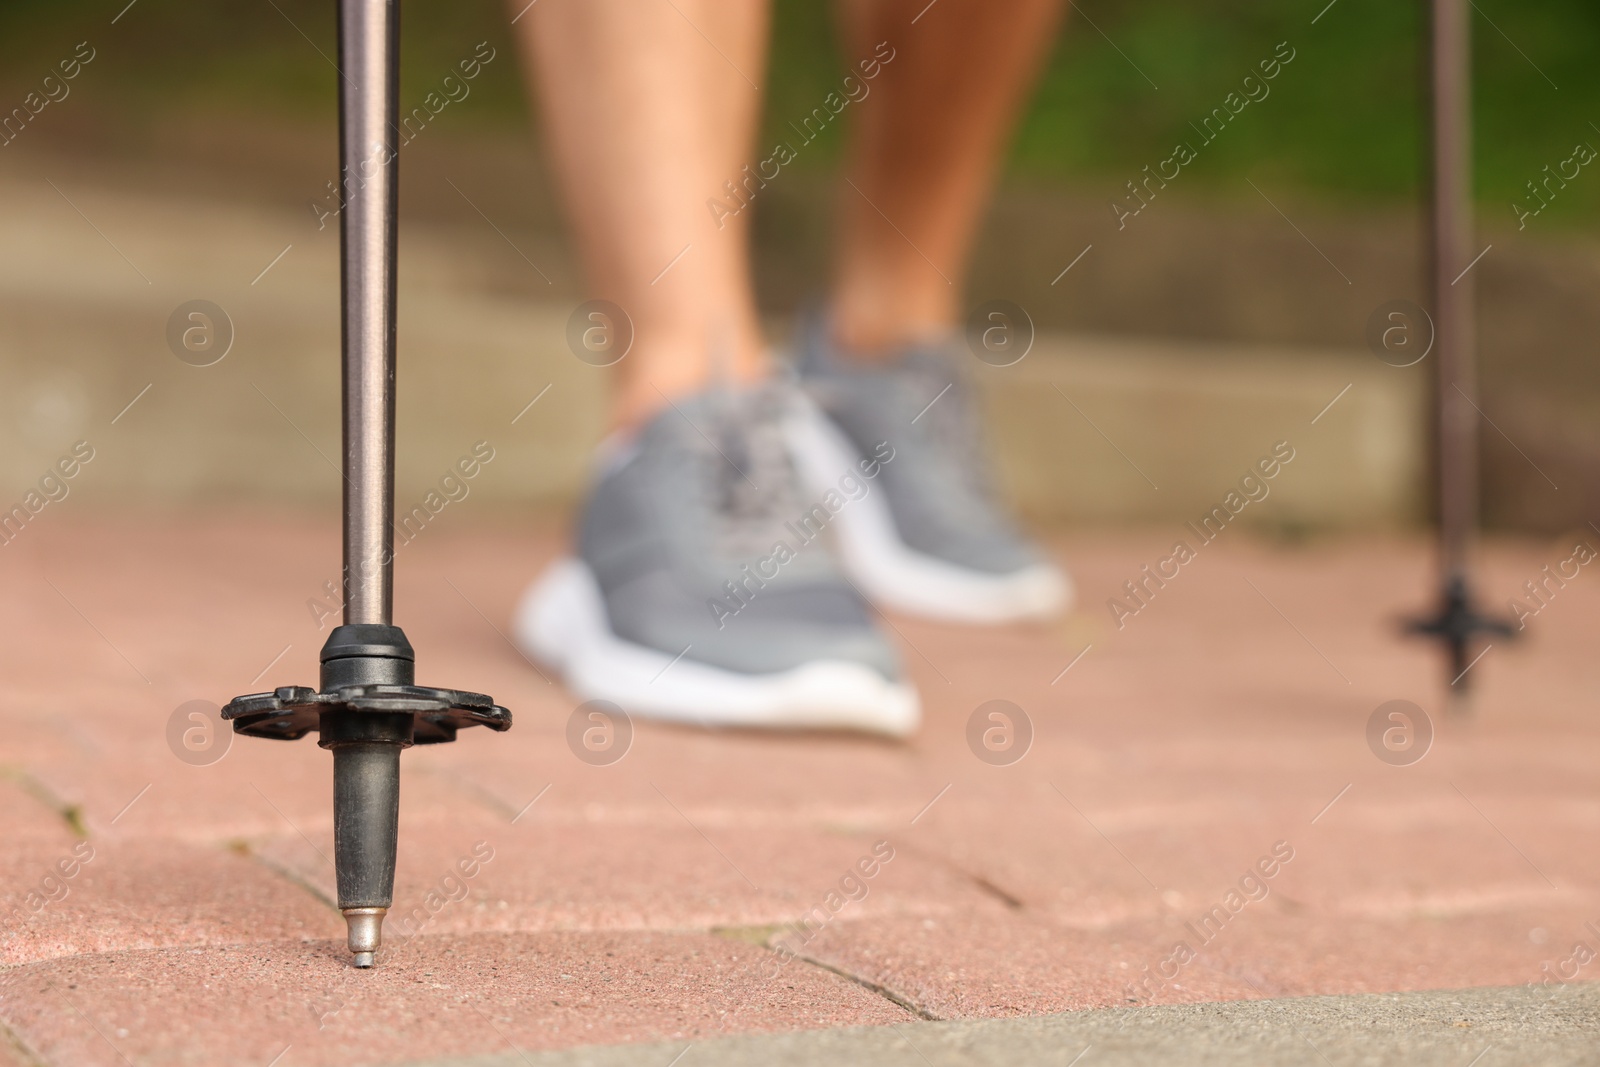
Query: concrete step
[1098,428]
[1084,428]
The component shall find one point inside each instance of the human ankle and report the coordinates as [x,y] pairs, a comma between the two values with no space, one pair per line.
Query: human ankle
[885,341]
[649,390]
[871,330]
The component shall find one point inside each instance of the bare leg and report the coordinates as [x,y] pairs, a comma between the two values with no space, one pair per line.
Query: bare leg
[923,152]
[646,119]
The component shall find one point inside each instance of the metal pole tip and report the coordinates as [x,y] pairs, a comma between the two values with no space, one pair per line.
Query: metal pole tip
[365,932]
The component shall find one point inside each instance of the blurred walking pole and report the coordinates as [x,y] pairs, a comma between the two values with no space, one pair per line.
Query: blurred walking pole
[1451,257]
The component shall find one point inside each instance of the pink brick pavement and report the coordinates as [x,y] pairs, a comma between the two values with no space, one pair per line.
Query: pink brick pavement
[646,900]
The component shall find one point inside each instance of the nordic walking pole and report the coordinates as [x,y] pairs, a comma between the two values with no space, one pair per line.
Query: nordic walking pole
[367,709]
[1458,624]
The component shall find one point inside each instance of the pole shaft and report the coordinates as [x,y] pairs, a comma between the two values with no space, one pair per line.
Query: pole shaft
[1450,226]
[369,54]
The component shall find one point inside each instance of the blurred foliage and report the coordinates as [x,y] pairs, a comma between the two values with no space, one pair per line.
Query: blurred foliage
[1342,121]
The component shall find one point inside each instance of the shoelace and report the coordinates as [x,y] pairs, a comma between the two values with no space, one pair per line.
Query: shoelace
[754,484]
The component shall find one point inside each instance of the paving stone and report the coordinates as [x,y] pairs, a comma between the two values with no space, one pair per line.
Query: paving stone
[602,875]
[93,896]
[247,1003]
[970,966]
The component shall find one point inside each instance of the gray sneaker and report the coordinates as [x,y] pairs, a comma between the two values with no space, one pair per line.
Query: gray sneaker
[933,540]
[699,593]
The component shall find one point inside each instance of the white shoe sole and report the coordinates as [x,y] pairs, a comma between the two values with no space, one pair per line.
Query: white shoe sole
[561,621]
[894,575]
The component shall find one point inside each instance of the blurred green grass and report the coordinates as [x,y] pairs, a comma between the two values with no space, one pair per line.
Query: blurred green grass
[1342,122]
